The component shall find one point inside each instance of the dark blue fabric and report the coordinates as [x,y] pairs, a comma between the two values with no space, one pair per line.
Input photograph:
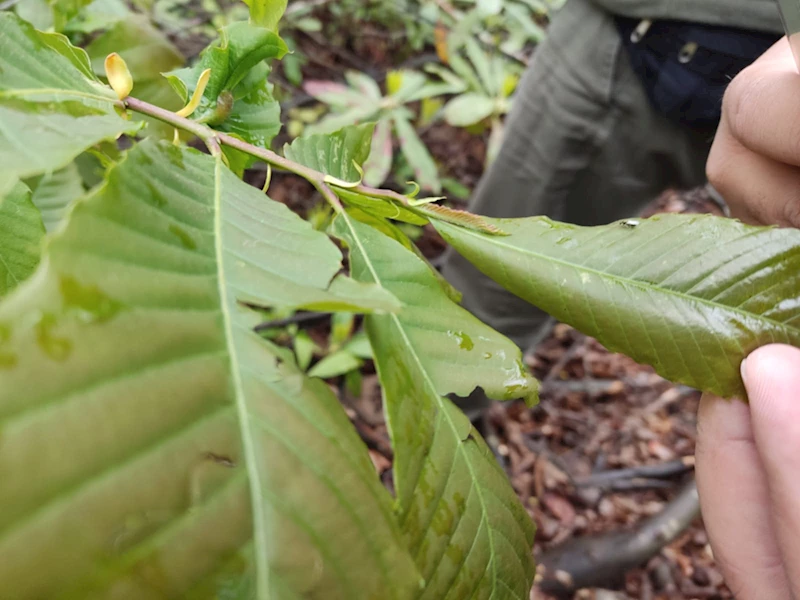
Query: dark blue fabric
[690,93]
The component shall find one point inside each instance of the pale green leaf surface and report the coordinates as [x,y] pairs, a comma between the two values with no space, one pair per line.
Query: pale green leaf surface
[54,193]
[379,163]
[364,84]
[359,346]
[468,109]
[393,231]
[482,65]
[146,50]
[334,365]
[99,14]
[334,154]
[21,233]
[256,115]
[425,171]
[339,95]
[462,520]
[50,111]
[690,295]
[176,453]
[267,13]
[380,207]
[339,120]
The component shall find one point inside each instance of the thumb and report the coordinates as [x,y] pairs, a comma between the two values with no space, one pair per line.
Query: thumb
[772,378]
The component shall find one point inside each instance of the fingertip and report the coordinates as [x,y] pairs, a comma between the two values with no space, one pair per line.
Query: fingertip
[772,378]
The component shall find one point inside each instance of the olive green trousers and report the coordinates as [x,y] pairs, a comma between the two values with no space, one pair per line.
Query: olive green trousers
[583,145]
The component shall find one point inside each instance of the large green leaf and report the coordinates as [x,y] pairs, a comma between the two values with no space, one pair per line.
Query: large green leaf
[336,154]
[691,296]
[55,192]
[155,447]
[267,13]
[470,536]
[240,48]
[51,109]
[21,233]
[146,51]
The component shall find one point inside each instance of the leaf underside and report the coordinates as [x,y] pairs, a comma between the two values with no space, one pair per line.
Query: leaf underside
[470,536]
[177,454]
[21,233]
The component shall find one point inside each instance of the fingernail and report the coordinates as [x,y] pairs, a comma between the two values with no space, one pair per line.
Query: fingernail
[743,371]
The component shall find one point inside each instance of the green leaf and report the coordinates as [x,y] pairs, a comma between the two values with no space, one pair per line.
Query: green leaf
[364,84]
[407,84]
[468,109]
[380,207]
[489,7]
[266,13]
[691,296]
[145,50]
[43,91]
[36,12]
[99,14]
[482,65]
[256,115]
[304,348]
[349,118]
[417,155]
[379,163]
[65,10]
[462,520]
[21,233]
[240,48]
[334,365]
[335,154]
[54,193]
[359,346]
[176,453]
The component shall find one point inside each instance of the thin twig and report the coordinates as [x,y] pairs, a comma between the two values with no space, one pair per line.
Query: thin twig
[213,139]
[208,135]
[660,471]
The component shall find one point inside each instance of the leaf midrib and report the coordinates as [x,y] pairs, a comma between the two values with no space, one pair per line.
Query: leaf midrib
[248,444]
[442,408]
[43,91]
[631,282]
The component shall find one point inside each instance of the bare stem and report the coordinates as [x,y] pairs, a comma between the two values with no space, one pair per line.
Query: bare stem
[206,134]
[213,139]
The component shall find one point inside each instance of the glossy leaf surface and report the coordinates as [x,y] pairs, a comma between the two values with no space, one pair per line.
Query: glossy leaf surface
[690,295]
[337,154]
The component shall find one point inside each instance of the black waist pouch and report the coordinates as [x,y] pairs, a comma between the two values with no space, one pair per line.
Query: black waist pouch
[685,67]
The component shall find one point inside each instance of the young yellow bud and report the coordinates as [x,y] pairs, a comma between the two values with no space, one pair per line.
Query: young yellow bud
[197,96]
[118,75]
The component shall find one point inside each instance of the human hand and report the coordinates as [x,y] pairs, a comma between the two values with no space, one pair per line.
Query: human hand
[748,476]
[755,159]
